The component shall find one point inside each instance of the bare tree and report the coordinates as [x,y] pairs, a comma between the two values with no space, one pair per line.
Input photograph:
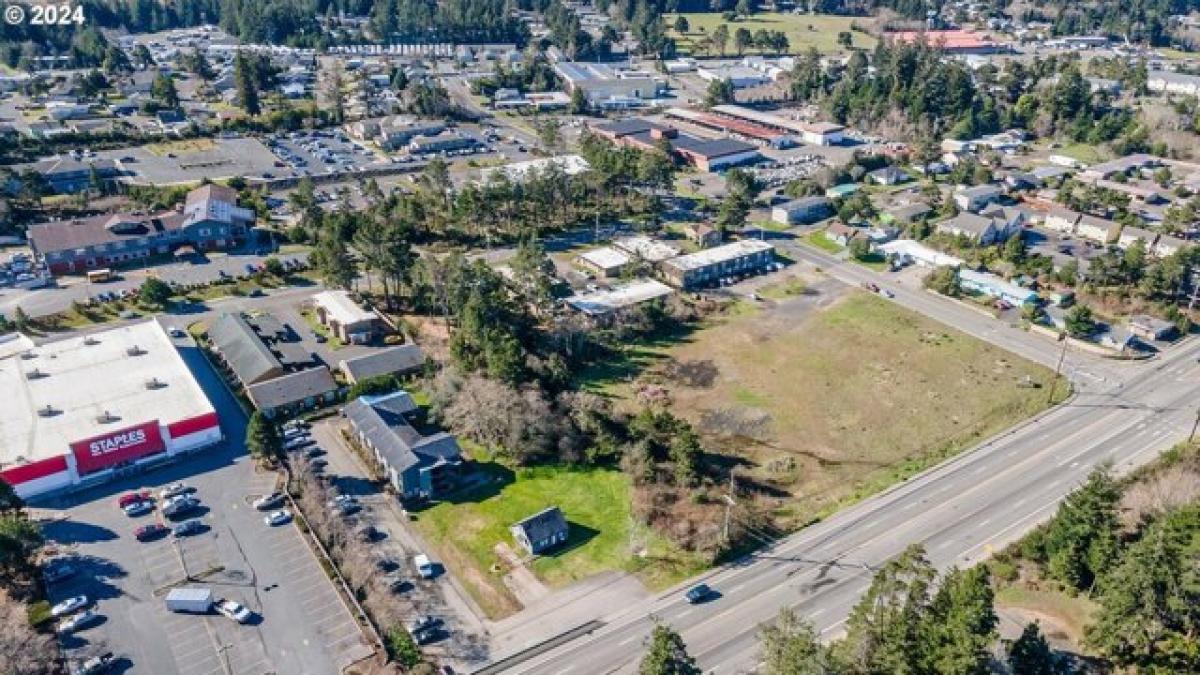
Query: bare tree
[24,651]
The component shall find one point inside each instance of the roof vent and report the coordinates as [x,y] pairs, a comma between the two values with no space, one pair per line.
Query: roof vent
[26,356]
[89,341]
[135,351]
[155,383]
[106,418]
[35,374]
[47,411]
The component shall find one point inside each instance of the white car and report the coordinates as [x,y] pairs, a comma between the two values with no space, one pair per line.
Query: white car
[267,502]
[277,517]
[423,565]
[76,622]
[68,606]
[173,490]
[234,611]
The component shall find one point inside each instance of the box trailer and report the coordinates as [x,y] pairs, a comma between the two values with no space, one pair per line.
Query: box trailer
[191,600]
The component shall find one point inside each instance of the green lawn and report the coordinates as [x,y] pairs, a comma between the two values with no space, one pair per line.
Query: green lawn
[818,239]
[596,502]
[803,30]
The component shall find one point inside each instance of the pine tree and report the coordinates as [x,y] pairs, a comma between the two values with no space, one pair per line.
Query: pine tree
[883,632]
[790,646]
[262,438]
[244,82]
[1081,541]
[667,655]
[960,624]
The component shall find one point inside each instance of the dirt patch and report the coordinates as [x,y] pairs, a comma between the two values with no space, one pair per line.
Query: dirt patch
[523,583]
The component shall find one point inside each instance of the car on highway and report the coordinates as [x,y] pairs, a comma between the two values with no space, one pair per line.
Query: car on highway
[149,532]
[277,517]
[187,528]
[69,606]
[95,665]
[268,502]
[138,509]
[234,611]
[174,490]
[698,593]
[133,497]
[76,622]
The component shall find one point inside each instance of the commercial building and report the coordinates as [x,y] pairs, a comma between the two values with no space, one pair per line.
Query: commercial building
[706,155]
[741,77]
[804,210]
[83,410]
[908,251]
[602,303]
[293,393]
[604,261]
[814,133]
[348,322]
[446,142]
[995,287]
[209,219]
[418,467]
[732,125]
[952,41]
[646,248]
[710,265]
[608,85]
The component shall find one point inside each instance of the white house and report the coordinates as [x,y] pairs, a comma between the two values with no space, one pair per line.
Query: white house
[976,197]
[1097,229]
[1061,220]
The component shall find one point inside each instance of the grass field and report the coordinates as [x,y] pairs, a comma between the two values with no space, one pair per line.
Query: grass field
[1062,617]
[818,239]
[596,502]
[828,400]
[803,30]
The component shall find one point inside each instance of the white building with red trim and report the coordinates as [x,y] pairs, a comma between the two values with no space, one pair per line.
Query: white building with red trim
[78,411]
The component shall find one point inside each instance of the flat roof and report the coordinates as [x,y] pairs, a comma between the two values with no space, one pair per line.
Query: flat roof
[518,171]
[603,302]
[605,257]
[646,248]
[342,308]
[720,254]
[81,378]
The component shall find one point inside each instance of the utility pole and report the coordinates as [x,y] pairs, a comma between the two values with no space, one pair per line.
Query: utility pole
[1058,370]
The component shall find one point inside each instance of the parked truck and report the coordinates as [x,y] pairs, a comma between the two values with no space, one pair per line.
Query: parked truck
[190,600]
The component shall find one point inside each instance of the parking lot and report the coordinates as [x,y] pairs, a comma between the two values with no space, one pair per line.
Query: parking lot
[299,625]
[318,153]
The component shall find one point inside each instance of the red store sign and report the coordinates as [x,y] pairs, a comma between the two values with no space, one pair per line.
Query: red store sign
[100,452]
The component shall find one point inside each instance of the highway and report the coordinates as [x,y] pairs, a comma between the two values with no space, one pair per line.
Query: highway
[961,511]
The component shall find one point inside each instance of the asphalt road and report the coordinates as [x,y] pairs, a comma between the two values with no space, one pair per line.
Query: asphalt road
[961,511]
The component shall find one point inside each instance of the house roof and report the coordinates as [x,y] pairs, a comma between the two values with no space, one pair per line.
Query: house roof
[398,359]
[242,349]
[966,223]
[401,446]
[543,524]
[291,388]
[804,204]
[341,308]
[911,211]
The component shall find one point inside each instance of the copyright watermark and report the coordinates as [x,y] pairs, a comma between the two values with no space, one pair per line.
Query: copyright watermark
[62,14]
[14,15]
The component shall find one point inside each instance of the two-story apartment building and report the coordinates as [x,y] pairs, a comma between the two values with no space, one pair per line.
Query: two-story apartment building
[209,219]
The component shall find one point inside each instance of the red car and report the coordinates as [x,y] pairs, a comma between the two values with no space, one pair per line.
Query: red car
[130,498]
[148,532]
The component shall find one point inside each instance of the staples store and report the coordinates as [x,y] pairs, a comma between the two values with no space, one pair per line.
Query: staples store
[85,409]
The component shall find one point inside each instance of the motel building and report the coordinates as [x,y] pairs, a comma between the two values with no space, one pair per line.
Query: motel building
[83,410]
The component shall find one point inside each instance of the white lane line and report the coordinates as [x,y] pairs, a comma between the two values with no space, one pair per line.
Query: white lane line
[627,640]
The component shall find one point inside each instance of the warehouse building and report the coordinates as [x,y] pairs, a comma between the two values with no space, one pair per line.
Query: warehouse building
[607,85]
[83,410]
[706,155]
[710,265]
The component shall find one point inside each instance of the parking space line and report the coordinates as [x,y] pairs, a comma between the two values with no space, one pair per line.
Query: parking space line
[337,615]
[356,634]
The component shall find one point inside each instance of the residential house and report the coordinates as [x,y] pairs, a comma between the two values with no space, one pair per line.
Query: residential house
[348,322]
[976,197]
[417,466]
[1062,220]
[979,229]
[703,234]
[1130,234]
[888,175]
[398,360]
[1097,229]
[542,531]
[910,213]
[908,251]
[646,248]
[804,210]
[995,287]
[842,234]
[242,351]
[290,394]
[1167,245]
[841,191]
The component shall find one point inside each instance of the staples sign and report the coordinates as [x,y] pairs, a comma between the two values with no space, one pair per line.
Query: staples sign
[101,452]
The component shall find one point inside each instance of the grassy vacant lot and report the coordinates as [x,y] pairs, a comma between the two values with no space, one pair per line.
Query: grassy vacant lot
[803,30]
[1062,617]
[827,399]
[596,502]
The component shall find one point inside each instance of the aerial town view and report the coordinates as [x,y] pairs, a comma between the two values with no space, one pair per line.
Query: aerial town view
[590,337]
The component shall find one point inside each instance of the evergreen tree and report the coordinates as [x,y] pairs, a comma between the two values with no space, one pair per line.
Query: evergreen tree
[1081,541]
[960,624]
[790,646]
[163,90]
[884,630]
[667,655]
[262,438]
[155,292]
[245,84]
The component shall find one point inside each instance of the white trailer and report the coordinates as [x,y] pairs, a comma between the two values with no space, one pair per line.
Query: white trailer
[190,600]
